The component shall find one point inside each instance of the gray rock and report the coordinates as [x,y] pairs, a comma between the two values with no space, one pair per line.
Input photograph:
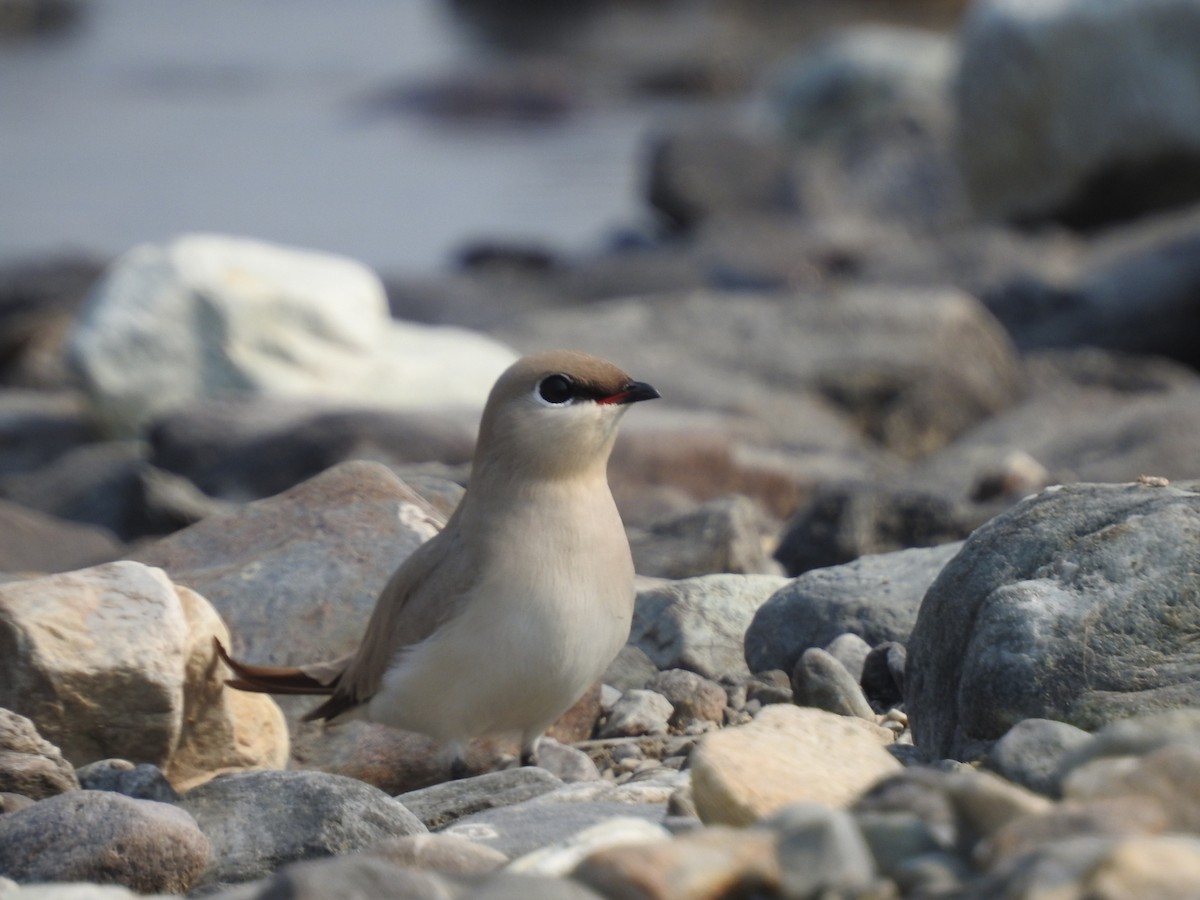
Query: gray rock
[820,850]
[37,427]
[820,680]
[699,623]
[258,821]
[249,448]
[106,838]
[723,535]
[1056,137]
[692,696]
[638,712]
[142,782]
[875,597]
[632,668]
[895,838]
[851,651]
[846,521]
[525,827]
[565,762]
[505,886]
[32,541]
[1071,606]
[709,171]
[30,765]
[358,876]
[1135,736]
[441,804]
[1031,753]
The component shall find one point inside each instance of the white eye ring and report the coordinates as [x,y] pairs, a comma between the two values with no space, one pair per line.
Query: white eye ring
[555,390]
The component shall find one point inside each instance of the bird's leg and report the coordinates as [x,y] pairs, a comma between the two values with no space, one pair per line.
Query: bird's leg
[529,750]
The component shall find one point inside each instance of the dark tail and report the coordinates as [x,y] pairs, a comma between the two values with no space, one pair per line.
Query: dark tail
[271,679]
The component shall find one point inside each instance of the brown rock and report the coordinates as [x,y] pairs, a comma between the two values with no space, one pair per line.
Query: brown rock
[30,765]
[788,754]
[692,695]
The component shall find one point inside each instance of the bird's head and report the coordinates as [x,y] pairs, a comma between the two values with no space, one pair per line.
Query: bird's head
[555,414]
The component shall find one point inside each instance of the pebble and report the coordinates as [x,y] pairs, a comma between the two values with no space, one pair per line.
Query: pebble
[638,712]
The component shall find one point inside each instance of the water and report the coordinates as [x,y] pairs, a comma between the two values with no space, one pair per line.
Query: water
[246,117]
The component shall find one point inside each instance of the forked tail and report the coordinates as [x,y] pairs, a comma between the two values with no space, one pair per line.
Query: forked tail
[271,679]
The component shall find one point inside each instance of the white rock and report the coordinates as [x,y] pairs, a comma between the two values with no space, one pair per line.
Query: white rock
[210,315]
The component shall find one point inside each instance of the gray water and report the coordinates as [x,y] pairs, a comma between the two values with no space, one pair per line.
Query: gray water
[158,117]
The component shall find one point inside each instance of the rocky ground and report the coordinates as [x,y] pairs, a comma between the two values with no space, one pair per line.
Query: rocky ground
[915,523]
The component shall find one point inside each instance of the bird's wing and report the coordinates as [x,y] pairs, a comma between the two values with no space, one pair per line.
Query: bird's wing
[421,595]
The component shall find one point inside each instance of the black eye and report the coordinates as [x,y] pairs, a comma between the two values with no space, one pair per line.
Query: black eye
[556,389]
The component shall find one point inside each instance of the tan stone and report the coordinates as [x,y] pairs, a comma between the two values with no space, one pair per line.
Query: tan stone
[704,865]
[788,754]
[116,662]
[1166,867]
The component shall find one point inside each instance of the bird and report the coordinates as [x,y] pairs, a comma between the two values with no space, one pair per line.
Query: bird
[501,621]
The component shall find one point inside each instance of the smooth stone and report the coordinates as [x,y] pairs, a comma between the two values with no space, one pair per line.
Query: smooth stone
[787,755]
[851,651]
[560,859]
[104,837]
[441,804]
[883,674]
[820,681]
[692,696]
[258,821]
[565,762]
[1031,753]
[33,542]
[445,854]
[819,850]
[876,597]
[632,668]
[1170,776]
[357,876]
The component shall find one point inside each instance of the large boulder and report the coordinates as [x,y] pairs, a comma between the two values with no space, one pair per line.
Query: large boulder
[1077,605]
[116,661]
[210,315]
[1046,132]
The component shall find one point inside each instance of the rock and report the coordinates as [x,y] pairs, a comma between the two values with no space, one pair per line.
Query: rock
[910,369]
[712,862]
[144,782]
[209,315]
[109,485]
[692,696]
[876,597]
[851,651]
[821,682]
[31,541]
[708,171]
[724,535]
[247,448]
[1069,607]
[296,576]
[1081,434]
[847,521]
[883,674]
[442,804]
[30,765]
[105,838]
[984,803]
[895,838]
[116,661]
[1055,138]
[1032,751]
[786,755]
[859,79]
[698,623]
[1135,736]
[547,820]
[357,876]
[37,427]
[820,851]
[632,668]
[258,821]
[638,712]
[1129,296]
[1168,776]
[561,858]
[445,854]
[565,762]
[10,803]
